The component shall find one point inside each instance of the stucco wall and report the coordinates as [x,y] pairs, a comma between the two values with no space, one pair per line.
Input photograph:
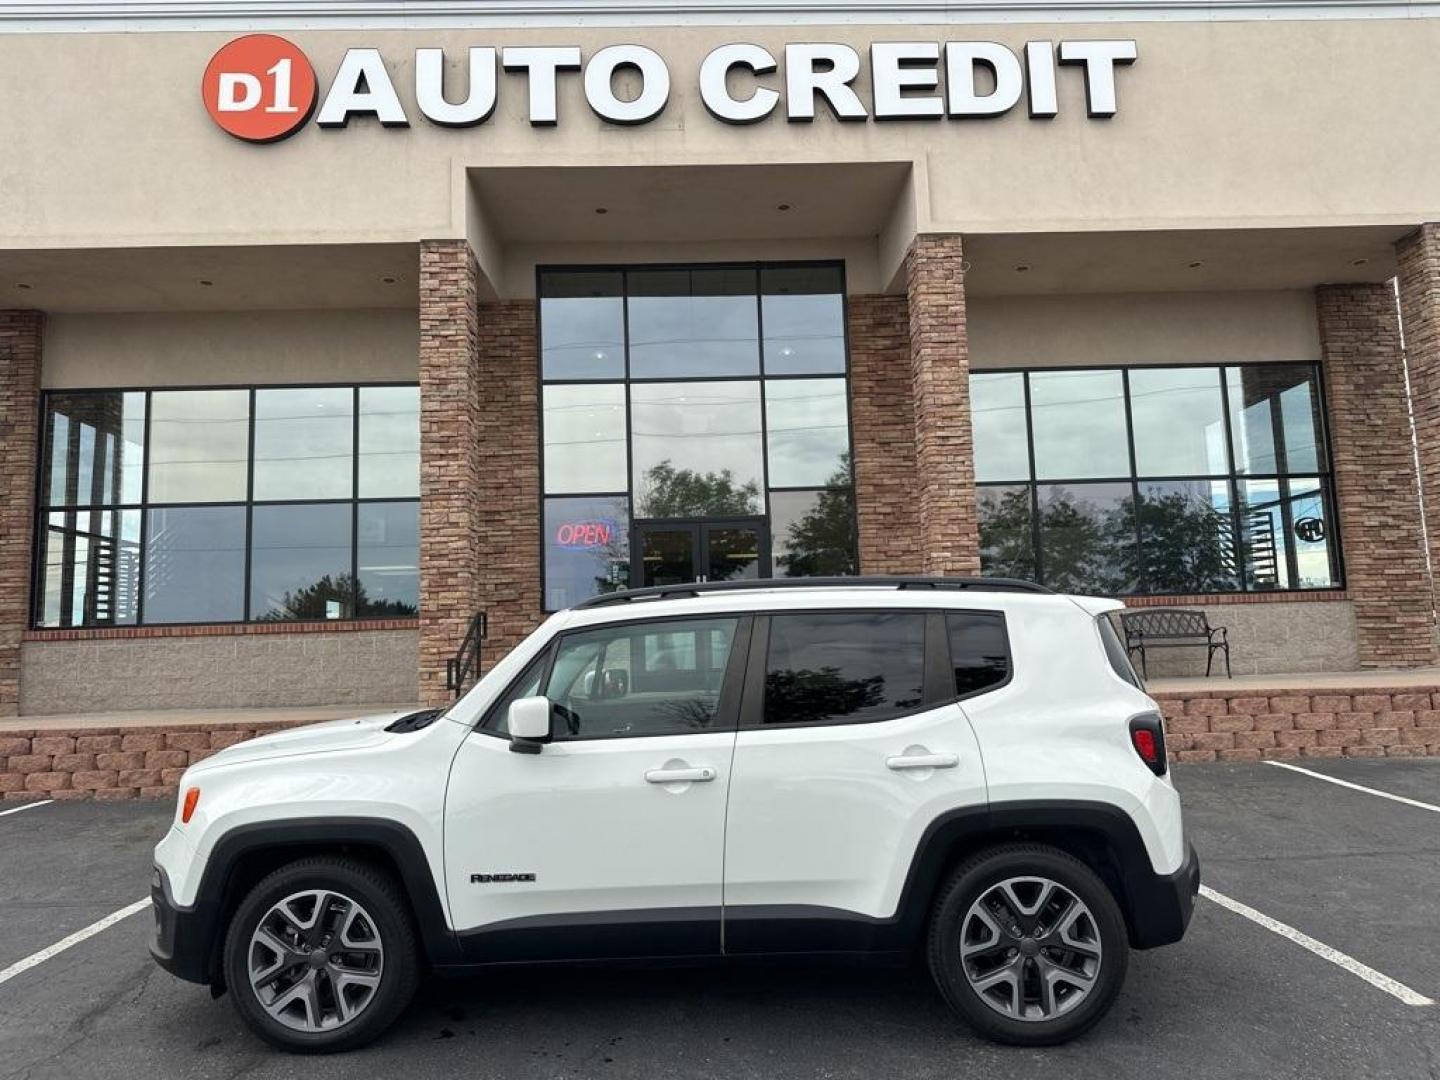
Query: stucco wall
[365,667]
[219,347]
[1271,638]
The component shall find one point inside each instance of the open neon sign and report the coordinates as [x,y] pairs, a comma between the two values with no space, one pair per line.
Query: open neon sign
[585,535]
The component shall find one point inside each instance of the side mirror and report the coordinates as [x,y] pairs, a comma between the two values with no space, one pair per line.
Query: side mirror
[529,723]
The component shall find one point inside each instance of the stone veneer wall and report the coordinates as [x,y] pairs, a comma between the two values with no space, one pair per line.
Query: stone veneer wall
[1375,487]
[219,671]
[20,341]
[949,535]
[882,418]
[1419,281]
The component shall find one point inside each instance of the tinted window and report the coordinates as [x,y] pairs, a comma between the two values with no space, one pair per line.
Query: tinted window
[697,449]
[809,432]
[96,449]
[1115,651]
[803,309]
[1079,421]
[587,548]
[304,443]
[195,564]
[1179,422]
[582,320]
[388,551]
[584,438]
[641,678]
[997,413]
[389,442]
[686,323]
[979,653]
[844,667]
[528,685]
[300,562]
[89,568]
[199,445]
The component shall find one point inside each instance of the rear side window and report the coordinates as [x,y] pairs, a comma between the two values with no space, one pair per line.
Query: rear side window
[844,667]
[1115,652]
[979,650]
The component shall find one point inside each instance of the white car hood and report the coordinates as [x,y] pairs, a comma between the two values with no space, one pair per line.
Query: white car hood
[326,737]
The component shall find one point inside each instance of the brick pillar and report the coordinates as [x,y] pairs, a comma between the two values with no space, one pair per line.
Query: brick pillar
[1375,486]
[940,390]
[450,462]
[21,333]
[508,538]
[1419,255]
[882,416]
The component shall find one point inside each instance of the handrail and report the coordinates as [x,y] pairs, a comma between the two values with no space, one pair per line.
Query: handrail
[700,588]
[465,664]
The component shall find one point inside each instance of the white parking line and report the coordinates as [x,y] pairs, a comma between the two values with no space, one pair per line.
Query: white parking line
[1395,989]
[1356,787]
[36,959]
[27,806]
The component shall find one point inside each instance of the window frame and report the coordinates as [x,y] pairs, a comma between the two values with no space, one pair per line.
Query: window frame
[937,677]
[1009,651]
[42,508]
[761,377]
[1324,475]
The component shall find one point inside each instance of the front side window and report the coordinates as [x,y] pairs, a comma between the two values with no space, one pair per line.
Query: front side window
[228,505]
[635,679]
[1180,480]
[844,667]
[693,392]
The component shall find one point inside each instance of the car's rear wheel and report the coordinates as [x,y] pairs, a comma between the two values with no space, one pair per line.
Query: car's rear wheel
[321,955]
[1028,945]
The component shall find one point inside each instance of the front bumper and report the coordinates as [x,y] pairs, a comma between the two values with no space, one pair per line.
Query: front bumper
[1161,904]
[184,940]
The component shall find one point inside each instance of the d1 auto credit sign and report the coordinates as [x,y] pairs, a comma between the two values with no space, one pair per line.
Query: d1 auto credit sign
[261,87]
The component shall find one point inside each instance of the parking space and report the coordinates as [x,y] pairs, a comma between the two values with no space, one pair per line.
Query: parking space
[1358,872]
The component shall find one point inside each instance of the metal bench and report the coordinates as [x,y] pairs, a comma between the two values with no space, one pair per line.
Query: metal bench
[1166,628]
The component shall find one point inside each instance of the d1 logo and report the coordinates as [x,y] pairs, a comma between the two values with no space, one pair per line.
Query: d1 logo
[259,88]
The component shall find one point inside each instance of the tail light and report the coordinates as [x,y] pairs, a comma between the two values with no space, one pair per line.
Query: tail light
[187,808]
[1147,736]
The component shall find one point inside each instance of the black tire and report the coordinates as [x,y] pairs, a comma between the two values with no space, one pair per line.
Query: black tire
[975,878]
[377,893]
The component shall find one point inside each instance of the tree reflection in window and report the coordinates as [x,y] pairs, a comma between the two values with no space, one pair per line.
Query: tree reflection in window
[844,667]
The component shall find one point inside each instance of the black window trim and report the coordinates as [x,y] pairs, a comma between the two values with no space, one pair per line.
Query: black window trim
[41,508]
[1324,473]
[1009,652]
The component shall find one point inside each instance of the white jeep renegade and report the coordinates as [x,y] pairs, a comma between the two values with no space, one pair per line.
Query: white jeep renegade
[964,768]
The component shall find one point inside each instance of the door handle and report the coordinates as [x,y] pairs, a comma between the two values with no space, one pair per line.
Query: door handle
[922,761]
[700,775]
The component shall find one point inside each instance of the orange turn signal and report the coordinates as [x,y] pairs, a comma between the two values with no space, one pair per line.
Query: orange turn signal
[192,799]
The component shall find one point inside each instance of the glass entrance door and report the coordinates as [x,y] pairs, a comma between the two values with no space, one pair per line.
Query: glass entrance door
[678,552]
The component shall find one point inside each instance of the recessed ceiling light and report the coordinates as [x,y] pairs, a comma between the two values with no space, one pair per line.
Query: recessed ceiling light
[23,285]
[783,206]
[1196,265]
[1023,268]
[206,282]
[388,280]
[602,210]
[1359,262]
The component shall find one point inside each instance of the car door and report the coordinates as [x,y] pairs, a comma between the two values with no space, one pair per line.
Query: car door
[610,841]
[851,742]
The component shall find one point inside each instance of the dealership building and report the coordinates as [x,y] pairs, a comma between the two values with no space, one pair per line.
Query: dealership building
[325,327]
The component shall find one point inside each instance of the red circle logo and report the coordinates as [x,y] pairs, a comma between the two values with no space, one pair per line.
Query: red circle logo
[259,88]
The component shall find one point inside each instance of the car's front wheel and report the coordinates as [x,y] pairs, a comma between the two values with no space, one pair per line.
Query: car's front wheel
[1028,945]
[321,955]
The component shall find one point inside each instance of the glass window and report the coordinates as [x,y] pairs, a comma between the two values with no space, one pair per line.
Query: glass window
[387,539]
[585,447]
[1179,422]
[1285,534]
[844,667]
[997,413]
[979,652]
[389,449]
[1187,537]
[1087,538]
[697,449]
[304,444]
[1079,423]
[803,312]
[582,325]
[587,549]
[661,678]
[300,562]
[812,533]
[1310,534]
[807,424]
[688,323]
[195,565]
[1007,532]
[199,446]
[1275,418]
[95,448]
[90,568]
[1115,651]
[527,685]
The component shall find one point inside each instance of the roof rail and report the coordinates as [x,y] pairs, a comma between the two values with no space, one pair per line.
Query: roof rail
[702,588]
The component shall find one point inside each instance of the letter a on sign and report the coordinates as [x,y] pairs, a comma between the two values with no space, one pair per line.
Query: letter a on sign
[259,88]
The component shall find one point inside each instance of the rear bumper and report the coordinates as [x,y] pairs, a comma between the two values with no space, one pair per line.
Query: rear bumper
[1161,904]
[183,941]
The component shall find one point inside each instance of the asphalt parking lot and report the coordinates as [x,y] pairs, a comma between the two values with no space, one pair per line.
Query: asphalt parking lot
[1357,872]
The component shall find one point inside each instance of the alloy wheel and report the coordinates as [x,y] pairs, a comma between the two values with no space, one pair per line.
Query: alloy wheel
[315,960]
[1030,948]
